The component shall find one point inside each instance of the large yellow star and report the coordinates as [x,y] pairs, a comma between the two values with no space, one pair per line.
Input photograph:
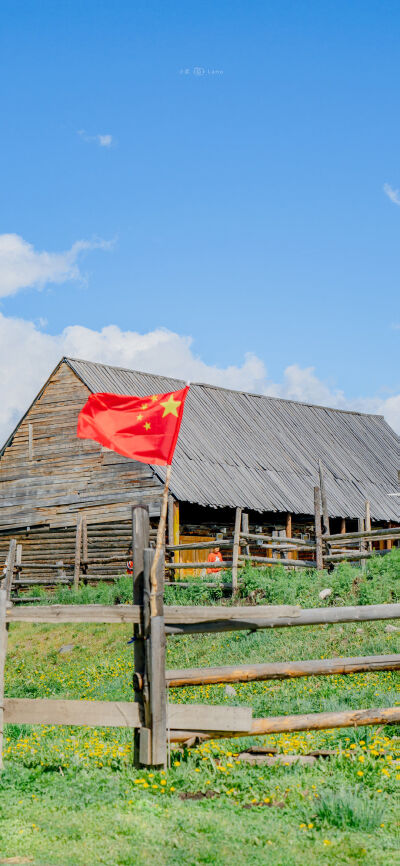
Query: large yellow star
[171,406]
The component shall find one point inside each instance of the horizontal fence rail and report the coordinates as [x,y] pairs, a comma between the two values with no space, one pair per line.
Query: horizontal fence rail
[281,670]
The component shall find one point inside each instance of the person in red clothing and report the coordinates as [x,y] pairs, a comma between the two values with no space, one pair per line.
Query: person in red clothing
[214,556]
[129,562]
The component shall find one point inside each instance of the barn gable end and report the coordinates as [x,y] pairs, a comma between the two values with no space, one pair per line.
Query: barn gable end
[48,475]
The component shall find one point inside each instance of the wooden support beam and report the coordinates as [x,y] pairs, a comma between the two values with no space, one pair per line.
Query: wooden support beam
[140,540]
[43,711]
[281,670]
[155,663]
[78,545]
[375,534]
[200,545]
[324,500]
[84,541]
[216,566]
[318,530]
[255,536]
[343,526]
[235,553]
[269,560]
[175,527]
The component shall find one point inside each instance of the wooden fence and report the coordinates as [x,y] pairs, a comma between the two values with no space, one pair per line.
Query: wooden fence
[155,721]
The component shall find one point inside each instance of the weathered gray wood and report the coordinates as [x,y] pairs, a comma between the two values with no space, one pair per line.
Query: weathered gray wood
[78,543]
[281,670]
[200,545]
[309,722]
[235,553]
[155,661]
[203,717]
[3,651]
[144,754]
[56,613]
[9,575]
[375,534]
[210,565]
[30,441]
[186,620]
[245,529]
[140,540]
[318,530]
[324,500]
[84,541]
[268,560]
[354,555]
[255,536]
[368,520]
[43,711]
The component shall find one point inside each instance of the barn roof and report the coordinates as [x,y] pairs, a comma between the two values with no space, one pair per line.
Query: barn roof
[261,452]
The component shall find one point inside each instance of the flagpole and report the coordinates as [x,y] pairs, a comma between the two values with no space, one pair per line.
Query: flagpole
[159,543]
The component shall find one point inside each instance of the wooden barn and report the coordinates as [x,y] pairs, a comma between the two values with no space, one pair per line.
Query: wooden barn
[235,449]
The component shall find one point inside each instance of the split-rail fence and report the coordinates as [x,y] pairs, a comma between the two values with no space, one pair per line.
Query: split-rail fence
[157,722]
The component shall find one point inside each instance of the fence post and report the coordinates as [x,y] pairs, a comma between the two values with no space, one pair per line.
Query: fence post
[3,650]
[85,566]
[78,543]
[362,544]
[368,520]
[140,540]
[235,553]
[155,664]
[318,530]
[324,500]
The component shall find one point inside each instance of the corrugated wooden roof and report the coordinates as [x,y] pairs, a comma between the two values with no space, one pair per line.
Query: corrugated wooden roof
[261,453]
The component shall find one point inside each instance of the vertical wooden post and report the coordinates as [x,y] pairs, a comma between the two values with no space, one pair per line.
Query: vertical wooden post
[78,544]
[84,539]
[318,530]
[362,545]
[324,500]
[368,521]
[289,553]
[155,663]
[343,526]
[235,552]
[245,528]
[3,651]
[9,575]
[140,541]
[175,531]
[274,551]
[18,563]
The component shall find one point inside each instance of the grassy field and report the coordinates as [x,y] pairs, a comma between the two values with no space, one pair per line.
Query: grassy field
[69,796]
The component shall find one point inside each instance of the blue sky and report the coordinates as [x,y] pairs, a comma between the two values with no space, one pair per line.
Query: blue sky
[237,197]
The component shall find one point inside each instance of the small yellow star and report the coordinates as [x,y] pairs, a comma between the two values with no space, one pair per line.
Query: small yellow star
[139,417]
[147,426]
[154,397]
[171,406]
[145,406]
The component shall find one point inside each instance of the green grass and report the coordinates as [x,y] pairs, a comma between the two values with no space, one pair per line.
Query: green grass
[69,796]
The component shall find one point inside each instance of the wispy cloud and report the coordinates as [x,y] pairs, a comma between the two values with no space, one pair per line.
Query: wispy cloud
[393,194]
[101,140]
[29,353]
[21,266]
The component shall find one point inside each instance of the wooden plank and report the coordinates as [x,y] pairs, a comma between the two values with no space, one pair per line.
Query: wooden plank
[281,670]
[43,711]
[78,543]
[309,722]
[391,532]
[368,521]
[245,528]
[269,560]
[318,530]
[255,536]
[186,620]
[30,441]
[200,545]
[210,565]
[56,613]
[176,527]
[203,717]
[155,662]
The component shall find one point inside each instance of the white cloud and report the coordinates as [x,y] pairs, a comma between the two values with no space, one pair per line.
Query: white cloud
[102,140]
[28,355]
[22,266]
[393,194]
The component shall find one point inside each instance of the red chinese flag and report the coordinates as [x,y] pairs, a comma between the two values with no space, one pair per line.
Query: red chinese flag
[142,428]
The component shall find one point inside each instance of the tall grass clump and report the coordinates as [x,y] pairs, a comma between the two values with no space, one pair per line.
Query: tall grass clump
[346,808]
